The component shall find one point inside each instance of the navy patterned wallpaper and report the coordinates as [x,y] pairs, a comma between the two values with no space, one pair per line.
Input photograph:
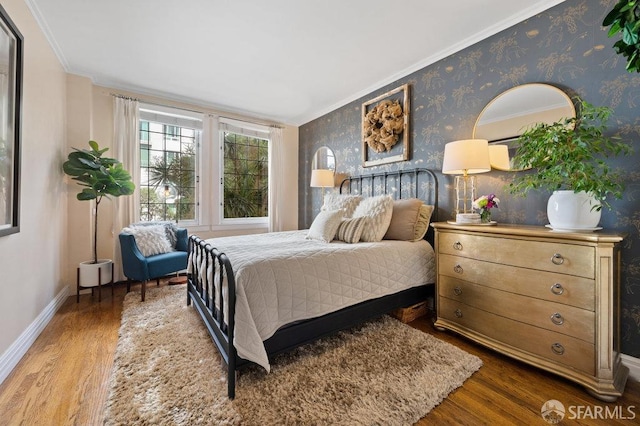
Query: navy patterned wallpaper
[565,46]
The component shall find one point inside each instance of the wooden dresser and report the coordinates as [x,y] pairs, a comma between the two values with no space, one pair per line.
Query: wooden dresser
[546,298]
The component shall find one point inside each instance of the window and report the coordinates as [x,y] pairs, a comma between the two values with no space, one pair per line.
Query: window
[203,171]
[246,176]
[169,145]
[245,171]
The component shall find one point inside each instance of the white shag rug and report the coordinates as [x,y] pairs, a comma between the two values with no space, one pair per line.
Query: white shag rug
[167,371]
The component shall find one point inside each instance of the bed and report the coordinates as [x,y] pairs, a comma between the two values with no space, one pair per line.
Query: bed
[261,295]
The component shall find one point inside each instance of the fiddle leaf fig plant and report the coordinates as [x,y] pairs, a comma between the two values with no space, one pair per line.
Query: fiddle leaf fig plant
[571,154]
[100,177]
[625,19]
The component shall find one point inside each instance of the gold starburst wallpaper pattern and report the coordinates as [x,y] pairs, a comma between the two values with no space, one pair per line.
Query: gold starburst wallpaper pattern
[565,46]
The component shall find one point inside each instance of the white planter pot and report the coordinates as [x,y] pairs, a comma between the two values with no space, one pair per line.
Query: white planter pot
[89,272]
[572,211]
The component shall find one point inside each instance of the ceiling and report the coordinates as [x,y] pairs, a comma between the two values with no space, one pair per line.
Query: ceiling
[287,61]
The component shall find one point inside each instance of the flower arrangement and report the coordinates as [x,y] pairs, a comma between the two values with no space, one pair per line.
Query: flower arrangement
[485,203]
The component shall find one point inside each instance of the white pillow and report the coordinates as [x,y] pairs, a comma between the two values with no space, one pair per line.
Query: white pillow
[325,226]
[345,202]
[379,210]
[150,239]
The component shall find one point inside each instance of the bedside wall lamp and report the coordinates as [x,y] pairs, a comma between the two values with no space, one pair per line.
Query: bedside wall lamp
[322,178]
[464,158]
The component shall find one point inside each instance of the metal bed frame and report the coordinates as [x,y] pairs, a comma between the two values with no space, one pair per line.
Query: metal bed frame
[296,334]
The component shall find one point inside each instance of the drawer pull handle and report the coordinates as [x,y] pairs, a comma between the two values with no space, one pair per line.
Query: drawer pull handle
[457,291]
[458,313]
[557,259]
[557,319]
[557,289]
[457,245]
[458,269]
[557,349]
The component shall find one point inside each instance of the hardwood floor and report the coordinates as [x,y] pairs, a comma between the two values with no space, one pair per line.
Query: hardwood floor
[64,378]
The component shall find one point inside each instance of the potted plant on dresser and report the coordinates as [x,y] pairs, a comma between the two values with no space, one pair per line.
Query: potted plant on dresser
[99,177]
[569,157]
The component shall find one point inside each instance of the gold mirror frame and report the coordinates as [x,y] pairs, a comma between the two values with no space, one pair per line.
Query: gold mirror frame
[509,114]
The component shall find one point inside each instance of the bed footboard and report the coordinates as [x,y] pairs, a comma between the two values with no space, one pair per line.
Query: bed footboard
[207,265]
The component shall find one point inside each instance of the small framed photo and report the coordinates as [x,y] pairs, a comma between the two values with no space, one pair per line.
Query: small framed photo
[385,128]
[10,108]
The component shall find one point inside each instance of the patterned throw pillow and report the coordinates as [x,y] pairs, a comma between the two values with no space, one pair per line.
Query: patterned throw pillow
[170,228]
[345,202]
[150,239]
[379,210]
[350,230]
[325,226]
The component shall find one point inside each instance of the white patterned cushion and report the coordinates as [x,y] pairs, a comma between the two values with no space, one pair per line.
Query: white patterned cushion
[325,226]
[150,239]
[350,230]
[170,228]
[379,210]
[345,202]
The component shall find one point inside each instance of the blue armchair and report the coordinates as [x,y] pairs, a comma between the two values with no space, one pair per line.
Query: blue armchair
[136,267]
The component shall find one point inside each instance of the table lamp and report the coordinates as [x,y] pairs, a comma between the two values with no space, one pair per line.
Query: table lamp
[463,158]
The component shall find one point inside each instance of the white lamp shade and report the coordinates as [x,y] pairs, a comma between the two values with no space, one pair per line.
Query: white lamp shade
[499,157]
[322,178]
[467,156]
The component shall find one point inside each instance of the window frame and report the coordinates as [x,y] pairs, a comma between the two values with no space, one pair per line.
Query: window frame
[173,117]
[245,129]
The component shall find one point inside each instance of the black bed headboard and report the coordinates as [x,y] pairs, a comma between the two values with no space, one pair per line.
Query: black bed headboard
[416,183]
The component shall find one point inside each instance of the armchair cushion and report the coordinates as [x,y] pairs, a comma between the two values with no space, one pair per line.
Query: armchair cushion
[150,239]
[167,263]
[170,228]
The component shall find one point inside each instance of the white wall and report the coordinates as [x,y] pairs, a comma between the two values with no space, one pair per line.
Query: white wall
[32,261]
[38,264]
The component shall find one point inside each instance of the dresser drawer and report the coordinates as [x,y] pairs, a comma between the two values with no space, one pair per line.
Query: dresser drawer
[555,287]
[553,316]
[556,347]
[570,259]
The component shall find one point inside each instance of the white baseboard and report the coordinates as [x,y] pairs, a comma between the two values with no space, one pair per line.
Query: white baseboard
[16,351]
[634,366]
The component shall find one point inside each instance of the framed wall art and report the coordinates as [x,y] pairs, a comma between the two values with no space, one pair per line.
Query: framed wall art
[10,107]
[385,128]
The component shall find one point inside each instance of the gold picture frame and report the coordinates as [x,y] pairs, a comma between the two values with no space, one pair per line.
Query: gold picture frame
[385,132]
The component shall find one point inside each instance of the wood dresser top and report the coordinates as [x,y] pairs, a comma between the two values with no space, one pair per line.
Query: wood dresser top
[534,231]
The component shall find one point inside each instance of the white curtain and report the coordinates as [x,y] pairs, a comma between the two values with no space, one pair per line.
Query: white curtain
[125,148]
[276,180]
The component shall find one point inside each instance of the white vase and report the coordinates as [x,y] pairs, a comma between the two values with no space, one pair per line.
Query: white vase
[572,210]
[89,272]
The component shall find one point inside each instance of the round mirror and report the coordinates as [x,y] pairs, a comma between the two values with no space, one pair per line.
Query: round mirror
[509,114]
[324,158]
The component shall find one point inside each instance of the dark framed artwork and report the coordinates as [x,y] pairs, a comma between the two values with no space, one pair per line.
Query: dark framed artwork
[10,107]
[385,128]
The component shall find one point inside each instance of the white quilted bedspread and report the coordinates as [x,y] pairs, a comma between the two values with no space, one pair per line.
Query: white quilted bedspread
[283,277]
